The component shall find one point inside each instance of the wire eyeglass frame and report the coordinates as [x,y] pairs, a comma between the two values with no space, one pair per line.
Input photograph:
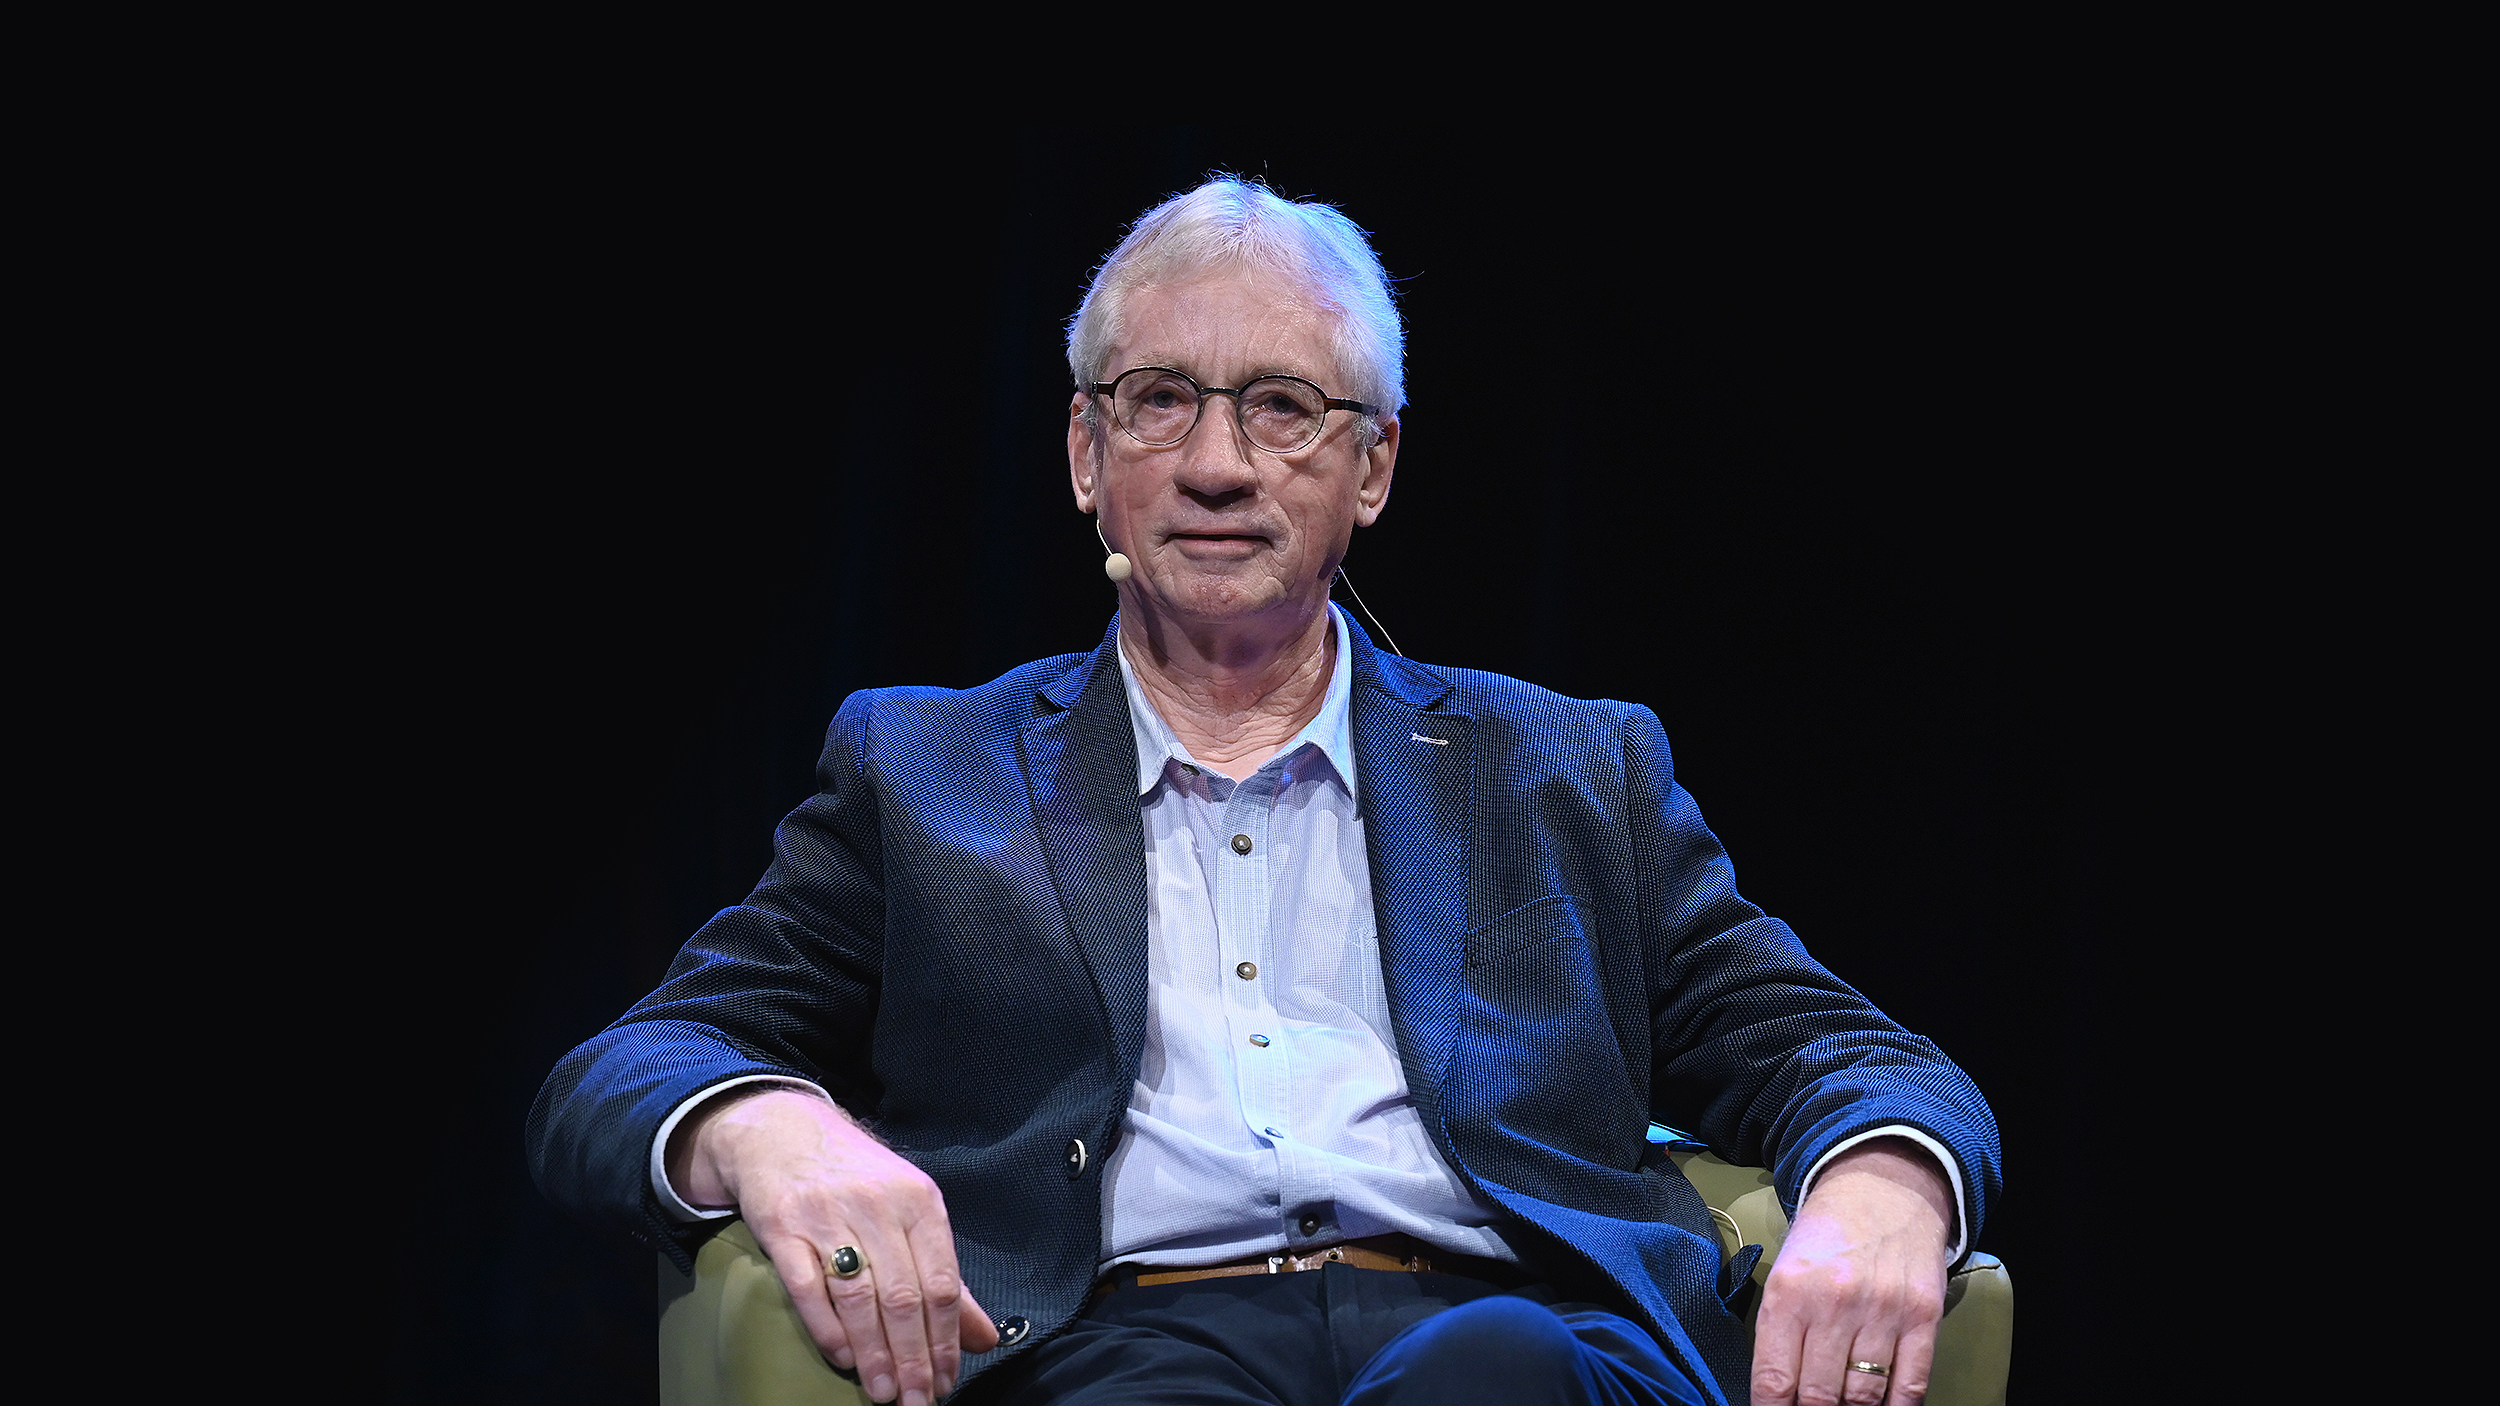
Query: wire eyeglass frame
[1110,390]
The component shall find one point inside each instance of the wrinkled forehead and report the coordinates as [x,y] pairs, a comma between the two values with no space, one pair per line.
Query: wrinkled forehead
[1226,327]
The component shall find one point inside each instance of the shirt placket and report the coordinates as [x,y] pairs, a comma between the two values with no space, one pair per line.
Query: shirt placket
[1245,900]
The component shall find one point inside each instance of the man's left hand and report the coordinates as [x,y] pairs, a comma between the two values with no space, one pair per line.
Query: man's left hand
[1860,1279]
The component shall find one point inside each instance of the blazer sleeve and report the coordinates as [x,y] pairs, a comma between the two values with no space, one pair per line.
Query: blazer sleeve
[784,983]
[1775,1059]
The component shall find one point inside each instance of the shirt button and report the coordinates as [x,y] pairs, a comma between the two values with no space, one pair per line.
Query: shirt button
[1188,768]
[1241,844]
[1259,1040]
[1310,1225]
[1247,970]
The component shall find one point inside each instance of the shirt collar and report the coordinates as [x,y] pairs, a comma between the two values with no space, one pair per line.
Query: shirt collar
[1332,731]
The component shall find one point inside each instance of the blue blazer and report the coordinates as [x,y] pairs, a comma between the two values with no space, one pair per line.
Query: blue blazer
[952,940]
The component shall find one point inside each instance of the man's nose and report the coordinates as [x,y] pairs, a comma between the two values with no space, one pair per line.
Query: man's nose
[1216,458]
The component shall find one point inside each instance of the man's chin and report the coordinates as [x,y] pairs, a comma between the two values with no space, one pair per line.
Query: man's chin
[1217,598]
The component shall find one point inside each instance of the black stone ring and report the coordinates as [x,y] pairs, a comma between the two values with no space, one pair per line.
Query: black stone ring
[846,1263]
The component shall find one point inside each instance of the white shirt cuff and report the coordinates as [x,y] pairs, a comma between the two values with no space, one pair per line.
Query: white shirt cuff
[1952,1169]
[670,1201]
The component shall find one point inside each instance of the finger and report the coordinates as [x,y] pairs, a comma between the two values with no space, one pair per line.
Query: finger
[979,1333]
[941,1281]
[863,1322]
[1912,1359]
[1779,1336]
[802,1272]
[1823,1365]
[1875,1343]
[900,1302]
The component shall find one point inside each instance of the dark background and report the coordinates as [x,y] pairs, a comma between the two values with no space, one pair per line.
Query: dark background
[1814,455]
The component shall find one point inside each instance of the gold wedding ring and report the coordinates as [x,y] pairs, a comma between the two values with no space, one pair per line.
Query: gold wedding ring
[1872,1369]
[846,1263]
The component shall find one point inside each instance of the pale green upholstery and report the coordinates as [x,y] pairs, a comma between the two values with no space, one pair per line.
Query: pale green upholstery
[729,1337]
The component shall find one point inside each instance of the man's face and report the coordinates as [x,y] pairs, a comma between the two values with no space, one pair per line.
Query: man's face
[1219,530]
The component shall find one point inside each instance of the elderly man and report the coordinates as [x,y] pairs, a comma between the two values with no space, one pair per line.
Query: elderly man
[1239,1012]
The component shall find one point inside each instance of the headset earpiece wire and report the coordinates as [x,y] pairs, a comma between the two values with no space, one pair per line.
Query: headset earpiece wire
[1367,613]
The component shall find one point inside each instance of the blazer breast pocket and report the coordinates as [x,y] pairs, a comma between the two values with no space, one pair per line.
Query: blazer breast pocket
[1552,919]
[1536,1054]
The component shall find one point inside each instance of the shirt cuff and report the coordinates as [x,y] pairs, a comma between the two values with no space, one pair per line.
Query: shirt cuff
[1944,1157]
[670,1201]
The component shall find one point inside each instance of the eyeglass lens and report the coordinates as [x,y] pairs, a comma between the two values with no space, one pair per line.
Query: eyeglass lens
[1158,407]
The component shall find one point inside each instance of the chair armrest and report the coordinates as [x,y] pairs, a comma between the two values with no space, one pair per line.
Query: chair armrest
[1975,1343]
[729,1337]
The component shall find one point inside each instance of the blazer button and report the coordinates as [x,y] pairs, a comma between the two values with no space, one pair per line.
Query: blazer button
[1076,1158]
[1011,1330]
[1241,844]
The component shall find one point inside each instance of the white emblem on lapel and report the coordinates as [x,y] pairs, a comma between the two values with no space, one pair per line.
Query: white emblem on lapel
[1435,741]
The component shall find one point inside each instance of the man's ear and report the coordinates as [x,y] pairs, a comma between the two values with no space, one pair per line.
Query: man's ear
[1084,452]
[1380,463]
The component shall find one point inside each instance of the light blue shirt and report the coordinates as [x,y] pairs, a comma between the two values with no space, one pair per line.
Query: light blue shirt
[1270,1096]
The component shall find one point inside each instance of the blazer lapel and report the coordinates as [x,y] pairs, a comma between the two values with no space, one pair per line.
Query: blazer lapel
[1080,764]
[1415,767]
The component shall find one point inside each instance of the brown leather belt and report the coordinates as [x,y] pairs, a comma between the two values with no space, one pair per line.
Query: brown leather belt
[1377,1252]
[1392,1252]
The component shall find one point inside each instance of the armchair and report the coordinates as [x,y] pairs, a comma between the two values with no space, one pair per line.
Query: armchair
[729,1337]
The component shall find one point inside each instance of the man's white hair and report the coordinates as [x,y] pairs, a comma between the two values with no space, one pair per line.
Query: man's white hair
[1231,223]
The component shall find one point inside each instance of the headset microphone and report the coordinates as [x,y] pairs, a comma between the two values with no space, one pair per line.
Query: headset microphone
[1116,566]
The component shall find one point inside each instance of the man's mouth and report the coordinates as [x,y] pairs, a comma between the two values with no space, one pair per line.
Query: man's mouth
[1218,541]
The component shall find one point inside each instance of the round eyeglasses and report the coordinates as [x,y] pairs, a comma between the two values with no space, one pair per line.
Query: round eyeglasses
[1158,407]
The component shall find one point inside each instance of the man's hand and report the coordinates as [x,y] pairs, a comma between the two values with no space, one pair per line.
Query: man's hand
[809,1181]
[1860,1279]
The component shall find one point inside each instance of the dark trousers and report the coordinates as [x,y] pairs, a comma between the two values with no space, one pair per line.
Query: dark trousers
[1360,1337]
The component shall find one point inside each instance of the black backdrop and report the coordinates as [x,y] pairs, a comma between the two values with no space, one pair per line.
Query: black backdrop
[1805,455]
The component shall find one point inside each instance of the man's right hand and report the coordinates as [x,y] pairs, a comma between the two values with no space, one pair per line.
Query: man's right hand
[809,1181]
